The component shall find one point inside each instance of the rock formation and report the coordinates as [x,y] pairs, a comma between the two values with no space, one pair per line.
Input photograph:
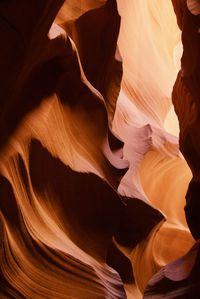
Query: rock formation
[92,182]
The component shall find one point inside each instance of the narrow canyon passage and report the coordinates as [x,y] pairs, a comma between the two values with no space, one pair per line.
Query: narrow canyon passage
[99,149]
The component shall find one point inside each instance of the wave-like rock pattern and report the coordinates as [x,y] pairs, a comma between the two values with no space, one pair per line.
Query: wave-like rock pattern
[92,183]
[180,279]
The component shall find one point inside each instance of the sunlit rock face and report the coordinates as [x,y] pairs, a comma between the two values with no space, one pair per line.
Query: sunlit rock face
[92,182]
[180,279]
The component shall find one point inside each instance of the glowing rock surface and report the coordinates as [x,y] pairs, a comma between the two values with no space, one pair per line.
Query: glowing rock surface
[92,182]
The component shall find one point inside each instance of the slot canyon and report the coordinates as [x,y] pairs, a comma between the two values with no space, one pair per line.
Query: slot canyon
[100,149]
